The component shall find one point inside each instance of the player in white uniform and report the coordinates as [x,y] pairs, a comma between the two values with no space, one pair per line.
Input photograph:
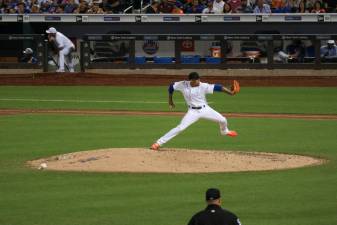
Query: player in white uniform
[194,93]
[64,47]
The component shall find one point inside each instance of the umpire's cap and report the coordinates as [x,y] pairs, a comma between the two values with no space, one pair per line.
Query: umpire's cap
[193,76]
[212,194]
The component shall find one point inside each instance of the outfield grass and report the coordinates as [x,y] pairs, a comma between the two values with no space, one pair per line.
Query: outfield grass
[305,196]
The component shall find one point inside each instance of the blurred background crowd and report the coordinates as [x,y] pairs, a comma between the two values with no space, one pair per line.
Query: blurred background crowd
[167,6]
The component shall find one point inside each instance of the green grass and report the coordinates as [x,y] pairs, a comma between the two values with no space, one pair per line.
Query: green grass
[262,100]
[305,196]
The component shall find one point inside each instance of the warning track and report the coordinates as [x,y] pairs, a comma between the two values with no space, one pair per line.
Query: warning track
[144,113]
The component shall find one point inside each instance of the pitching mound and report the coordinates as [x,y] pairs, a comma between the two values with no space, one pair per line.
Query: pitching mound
[139,160]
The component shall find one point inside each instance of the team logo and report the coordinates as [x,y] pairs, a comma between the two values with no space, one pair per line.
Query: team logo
[187,46]
[79,19]
[150,47]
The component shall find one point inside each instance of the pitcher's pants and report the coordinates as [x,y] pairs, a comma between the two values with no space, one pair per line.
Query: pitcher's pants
[191,117]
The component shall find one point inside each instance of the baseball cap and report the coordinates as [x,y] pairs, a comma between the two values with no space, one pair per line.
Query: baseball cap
[212,194]
[28,51]
[332,42]
[51,30]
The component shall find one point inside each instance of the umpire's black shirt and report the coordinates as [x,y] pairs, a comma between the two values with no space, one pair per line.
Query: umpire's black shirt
[214,215]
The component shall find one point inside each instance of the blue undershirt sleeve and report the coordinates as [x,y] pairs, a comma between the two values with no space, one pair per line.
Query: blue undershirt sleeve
[217,87]
[171,89]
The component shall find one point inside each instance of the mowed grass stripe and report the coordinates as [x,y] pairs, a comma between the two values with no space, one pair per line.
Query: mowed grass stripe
[296,100]
[83,101]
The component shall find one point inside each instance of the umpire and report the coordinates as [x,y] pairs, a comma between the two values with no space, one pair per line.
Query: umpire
[214,214]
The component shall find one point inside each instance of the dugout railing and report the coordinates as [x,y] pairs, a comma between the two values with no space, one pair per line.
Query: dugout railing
[133,56]
[267,46]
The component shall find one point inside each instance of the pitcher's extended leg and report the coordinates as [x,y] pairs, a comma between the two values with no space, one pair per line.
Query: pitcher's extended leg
[190,117]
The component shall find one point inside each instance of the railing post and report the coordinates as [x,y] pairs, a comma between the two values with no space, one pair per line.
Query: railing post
[223,55]
[270,53]
[45,55]
[82,56]
[132,53]
[177,51]
[317,44]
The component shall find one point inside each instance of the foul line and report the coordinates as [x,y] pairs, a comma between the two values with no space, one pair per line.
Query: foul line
[149,113]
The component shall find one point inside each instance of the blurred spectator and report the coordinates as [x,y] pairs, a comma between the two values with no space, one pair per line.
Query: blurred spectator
[95,8]
[59,9]
[115,6]
[329,50]
[177,10]
[35,9]
[334,10]
[318,8]
[52,6]
[310,4]
[2,6]
[195,7]
[70,6]
[204,2]
[244,7]
[165,7]
[234,4]
[44,7]
[261,7]
[28,56]
[209,8]
[153,8]
[21,8]
[169,6]
[107,6]
[218,6]
[227,8]
[291,6]
[329,5]
[177,3]
[277,4]
[82,8]
[302,7]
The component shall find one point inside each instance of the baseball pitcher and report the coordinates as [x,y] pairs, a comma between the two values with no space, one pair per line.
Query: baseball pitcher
[194,93]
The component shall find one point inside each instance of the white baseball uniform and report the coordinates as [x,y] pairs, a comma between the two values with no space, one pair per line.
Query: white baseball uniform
[66,47]
[198,108]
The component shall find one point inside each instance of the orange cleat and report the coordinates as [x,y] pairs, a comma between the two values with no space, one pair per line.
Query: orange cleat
[232,133]
[155,146]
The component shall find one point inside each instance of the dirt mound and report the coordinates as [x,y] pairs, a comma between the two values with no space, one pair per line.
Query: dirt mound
[139,160]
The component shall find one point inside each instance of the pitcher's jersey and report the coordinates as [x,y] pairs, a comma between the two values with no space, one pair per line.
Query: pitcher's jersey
[194,96]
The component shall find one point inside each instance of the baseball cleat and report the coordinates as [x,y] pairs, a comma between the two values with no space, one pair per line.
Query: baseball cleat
[155,146]
[59,71]
[232,133]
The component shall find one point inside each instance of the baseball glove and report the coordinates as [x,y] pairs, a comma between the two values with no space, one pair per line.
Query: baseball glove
[235,88]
